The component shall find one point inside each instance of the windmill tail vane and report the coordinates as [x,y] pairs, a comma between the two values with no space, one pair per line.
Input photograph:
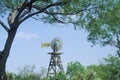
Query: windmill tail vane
[45,44]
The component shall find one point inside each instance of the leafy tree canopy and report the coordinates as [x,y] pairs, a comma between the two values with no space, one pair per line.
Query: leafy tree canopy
[56,10]
[103,26]
[99,17]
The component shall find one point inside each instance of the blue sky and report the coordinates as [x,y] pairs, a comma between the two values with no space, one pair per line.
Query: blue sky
[26,48]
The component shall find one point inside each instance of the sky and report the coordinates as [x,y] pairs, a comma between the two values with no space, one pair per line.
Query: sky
[26,48]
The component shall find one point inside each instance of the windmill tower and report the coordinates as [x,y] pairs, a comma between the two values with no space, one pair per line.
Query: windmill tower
[55,64]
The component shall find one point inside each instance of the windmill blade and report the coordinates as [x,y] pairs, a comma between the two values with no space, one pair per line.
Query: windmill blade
[45,44]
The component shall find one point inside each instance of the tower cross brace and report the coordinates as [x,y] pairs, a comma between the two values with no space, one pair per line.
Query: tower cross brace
[55,64]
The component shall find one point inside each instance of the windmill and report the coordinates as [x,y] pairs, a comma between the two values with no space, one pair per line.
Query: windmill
[55,64]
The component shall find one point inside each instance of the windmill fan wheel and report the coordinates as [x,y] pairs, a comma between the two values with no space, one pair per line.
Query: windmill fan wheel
[56,44]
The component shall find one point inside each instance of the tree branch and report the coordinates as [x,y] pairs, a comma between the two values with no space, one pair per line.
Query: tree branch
[25,5]
[72,13]
[59,21]
[41,10]
[44,9]
[4,26]
[112,42]
[14,15]
[118,41]
[21,8]
[28,16]
[23,14]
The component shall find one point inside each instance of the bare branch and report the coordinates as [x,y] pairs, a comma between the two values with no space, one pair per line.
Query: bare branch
[23,14]
[50,5]
[28,16]
[4,26]
[25,5]
[14,16]
[42,10]
[22,7]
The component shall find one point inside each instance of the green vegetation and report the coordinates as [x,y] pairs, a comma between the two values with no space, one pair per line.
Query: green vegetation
[100,18]
[108,69]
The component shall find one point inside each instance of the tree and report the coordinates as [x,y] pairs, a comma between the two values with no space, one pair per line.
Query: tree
[108,69]
[111,66]
[11,76]
[75,71]
[104,25]
[28,73]
[100,73]
[48,11]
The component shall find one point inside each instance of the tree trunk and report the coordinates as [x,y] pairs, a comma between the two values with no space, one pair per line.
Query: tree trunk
[2,69]
[6,51]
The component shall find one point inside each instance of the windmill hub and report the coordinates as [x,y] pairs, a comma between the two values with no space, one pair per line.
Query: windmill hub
[56,44]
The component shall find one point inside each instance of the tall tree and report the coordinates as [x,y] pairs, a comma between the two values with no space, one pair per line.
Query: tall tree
[104,25]
[48,11]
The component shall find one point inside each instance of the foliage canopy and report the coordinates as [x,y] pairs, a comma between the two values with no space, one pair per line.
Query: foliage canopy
[99,17]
